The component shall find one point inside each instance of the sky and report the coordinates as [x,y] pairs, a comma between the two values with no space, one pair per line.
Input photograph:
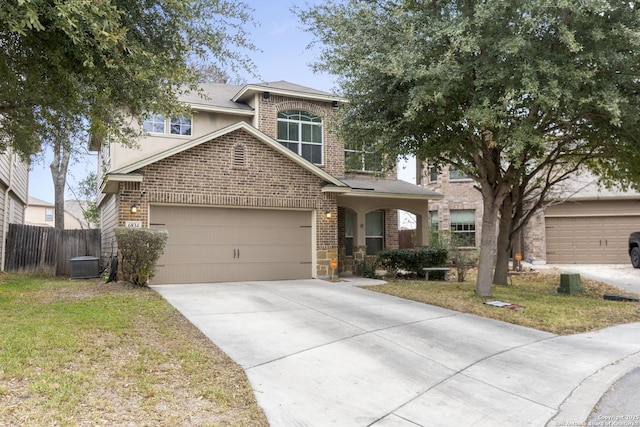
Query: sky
[282,55]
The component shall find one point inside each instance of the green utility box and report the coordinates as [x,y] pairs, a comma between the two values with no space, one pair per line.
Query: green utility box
[570,284]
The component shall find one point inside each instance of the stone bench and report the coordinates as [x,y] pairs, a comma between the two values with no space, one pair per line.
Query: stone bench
[446,271]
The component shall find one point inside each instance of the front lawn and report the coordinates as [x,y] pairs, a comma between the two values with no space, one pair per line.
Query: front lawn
[544,308]
[83,352]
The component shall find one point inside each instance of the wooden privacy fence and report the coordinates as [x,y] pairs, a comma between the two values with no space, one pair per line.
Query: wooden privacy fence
[405,239]
[32,249]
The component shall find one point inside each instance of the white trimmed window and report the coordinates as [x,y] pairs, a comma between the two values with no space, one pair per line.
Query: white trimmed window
[433,220]
[374,232]
[154,123]
[349,220]
[181,126]
[48,214]
[463,226]
[159,124]
[301,132]
[455,174]
[359,159]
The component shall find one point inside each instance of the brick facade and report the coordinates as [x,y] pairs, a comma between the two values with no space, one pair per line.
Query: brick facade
[461,194]
[205,176]
[238,169]
[333,148]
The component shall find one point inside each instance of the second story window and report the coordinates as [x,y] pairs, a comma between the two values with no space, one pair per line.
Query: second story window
[359,159]
[301,132]
[181,126]
[433,174]
[157,124]
[48,214]
[455,174]
[154,123]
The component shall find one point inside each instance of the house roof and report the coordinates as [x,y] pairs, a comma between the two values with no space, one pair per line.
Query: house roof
[232,99]
[285,88]
[33,201]
[125,172]
[584,186]
[216,97]
[387,188]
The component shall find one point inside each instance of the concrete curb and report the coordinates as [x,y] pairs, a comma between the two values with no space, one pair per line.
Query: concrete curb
[577,408]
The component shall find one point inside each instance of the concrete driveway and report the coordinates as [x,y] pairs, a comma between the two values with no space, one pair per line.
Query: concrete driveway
[320,354]
[622,276]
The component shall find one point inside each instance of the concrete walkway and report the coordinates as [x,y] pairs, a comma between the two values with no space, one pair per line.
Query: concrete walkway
[320,353]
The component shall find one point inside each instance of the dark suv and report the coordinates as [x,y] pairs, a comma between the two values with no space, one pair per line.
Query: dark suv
[634,248]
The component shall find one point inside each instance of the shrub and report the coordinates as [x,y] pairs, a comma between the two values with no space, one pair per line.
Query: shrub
[139,250]
[367,267]
[463,257]
[413,260]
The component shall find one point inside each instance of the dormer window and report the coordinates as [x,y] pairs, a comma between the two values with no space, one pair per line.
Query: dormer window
[301,132]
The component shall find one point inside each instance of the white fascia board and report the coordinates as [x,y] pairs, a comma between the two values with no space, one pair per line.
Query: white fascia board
[216,109]
[373,194]
[286,92]
[228,129]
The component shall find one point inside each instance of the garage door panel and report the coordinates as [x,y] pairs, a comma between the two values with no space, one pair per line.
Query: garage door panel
[224,244]
[589,240]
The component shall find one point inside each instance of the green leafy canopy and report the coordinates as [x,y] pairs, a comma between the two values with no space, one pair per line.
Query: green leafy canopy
[444,79]
[104,61]
[513,93]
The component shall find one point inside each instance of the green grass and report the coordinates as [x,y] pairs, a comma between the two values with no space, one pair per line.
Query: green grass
[545,309]
[83,352]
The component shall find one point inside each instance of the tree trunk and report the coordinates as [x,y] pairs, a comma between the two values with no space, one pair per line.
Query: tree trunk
[488,242]
[58,166]
[500,275]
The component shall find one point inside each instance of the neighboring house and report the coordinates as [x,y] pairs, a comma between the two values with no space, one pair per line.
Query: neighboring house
[14,189]
[590,226]
[253,186]
[42,213]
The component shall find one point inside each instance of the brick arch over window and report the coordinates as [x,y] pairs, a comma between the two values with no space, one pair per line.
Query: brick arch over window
[302,132]
[302,105]
[333,147]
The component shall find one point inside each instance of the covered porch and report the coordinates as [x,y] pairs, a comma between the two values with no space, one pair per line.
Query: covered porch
[368,217]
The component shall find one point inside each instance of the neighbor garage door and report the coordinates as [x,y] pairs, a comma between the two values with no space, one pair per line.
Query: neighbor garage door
[220,244]
[591,231]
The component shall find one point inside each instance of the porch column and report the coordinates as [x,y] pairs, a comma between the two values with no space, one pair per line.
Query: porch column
[422,231]
[422,225]
[360,234]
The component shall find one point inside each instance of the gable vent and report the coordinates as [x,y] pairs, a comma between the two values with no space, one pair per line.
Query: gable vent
[239,156]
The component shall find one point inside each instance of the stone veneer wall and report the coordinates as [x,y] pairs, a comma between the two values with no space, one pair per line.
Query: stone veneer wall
[207,175]
[534,240]
[461,194]
[458,194]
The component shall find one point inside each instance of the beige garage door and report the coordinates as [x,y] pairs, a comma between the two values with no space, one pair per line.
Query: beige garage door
[227,245]
[589,240]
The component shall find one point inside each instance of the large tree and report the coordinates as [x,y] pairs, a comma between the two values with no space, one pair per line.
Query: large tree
[492,87]
[95,65]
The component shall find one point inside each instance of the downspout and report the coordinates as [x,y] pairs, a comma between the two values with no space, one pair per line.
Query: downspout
[5,222]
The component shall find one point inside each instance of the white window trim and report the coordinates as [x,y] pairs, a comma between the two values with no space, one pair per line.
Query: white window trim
[167,131]
[178,118]
[471,223]
[299,141]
